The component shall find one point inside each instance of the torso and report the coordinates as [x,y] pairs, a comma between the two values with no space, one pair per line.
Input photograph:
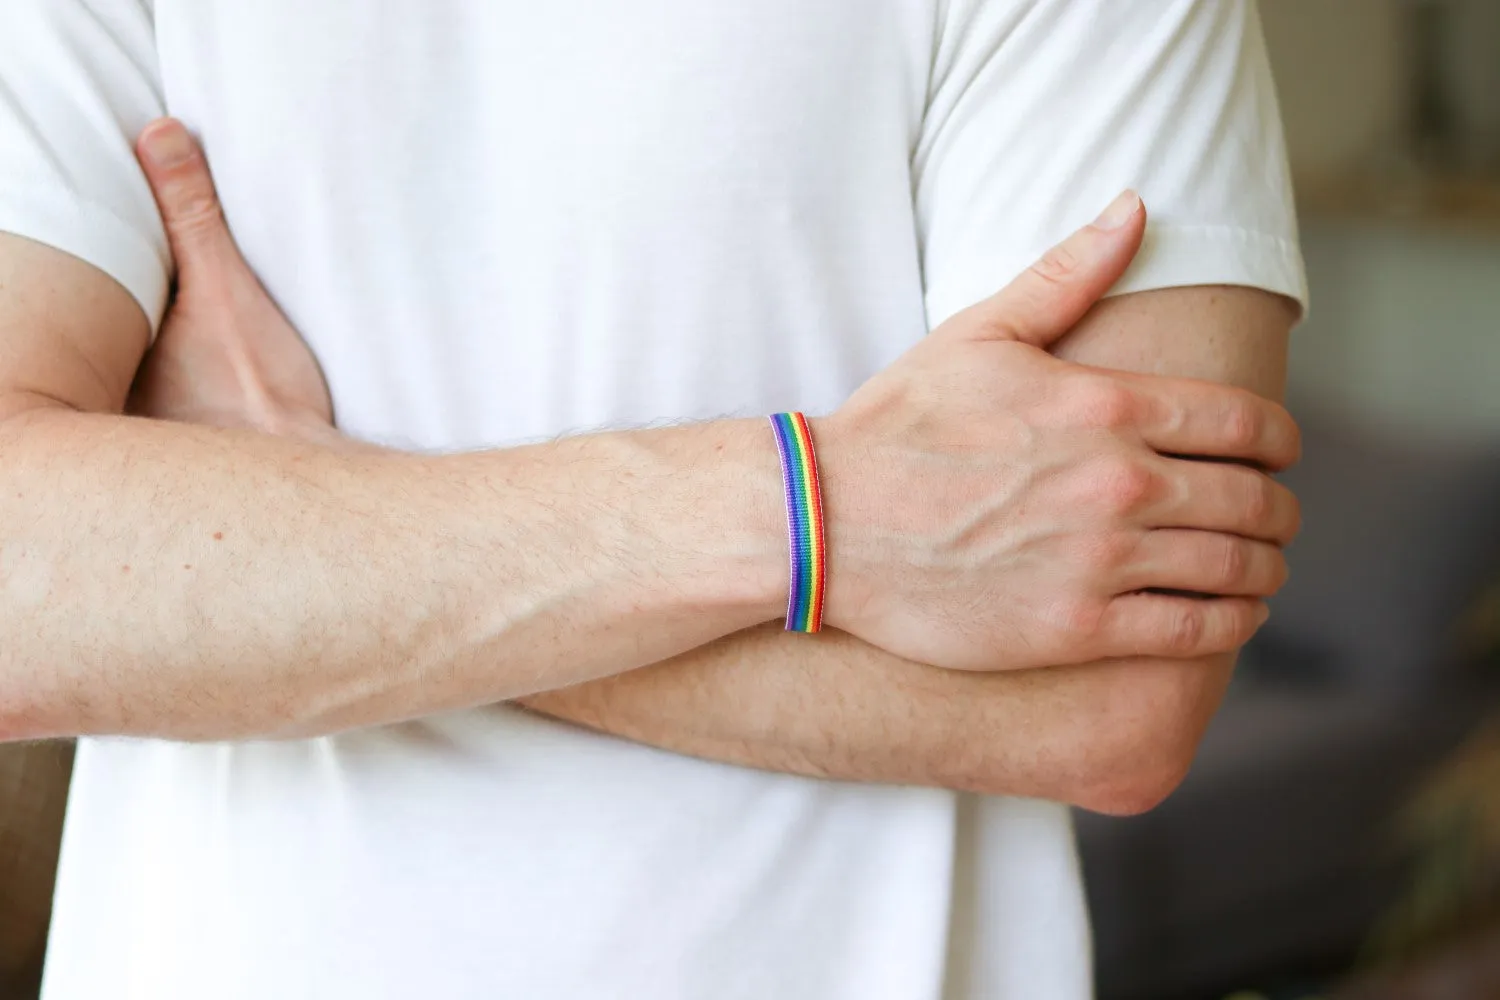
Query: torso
[496,222]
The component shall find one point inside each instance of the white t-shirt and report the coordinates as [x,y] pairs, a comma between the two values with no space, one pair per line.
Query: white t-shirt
[500,221]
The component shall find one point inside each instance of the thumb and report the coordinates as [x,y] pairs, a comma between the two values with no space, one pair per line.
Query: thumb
[185,193]
[1052,295]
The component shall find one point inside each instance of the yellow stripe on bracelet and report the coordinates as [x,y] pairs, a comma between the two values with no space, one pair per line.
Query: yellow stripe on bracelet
[804,514]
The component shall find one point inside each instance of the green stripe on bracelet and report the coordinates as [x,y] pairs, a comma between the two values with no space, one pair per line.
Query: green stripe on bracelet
[804,514]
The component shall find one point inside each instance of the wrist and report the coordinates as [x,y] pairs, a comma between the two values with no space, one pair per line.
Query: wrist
[735,511]
[846,489]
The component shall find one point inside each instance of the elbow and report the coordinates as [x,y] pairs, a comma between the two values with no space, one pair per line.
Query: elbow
[1123,736]
[1137,787]
[1142,746]
[1119,771]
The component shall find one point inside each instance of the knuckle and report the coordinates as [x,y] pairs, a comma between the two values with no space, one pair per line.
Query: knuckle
[1232,564]
[1260,498]
[1184,631]
[1101,402]
[1123,485]
[194,211]
[1119,549]
[1056,265]
[1077,618]
[1242,425]
[1105,553]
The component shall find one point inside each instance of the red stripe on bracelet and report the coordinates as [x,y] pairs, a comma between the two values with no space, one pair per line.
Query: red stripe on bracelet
[804,508]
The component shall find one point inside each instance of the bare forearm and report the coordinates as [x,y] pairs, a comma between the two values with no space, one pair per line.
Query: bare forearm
[835,707]
[832,706]
[1112,736]
[165,579]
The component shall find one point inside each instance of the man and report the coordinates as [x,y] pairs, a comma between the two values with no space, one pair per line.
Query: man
[341,658]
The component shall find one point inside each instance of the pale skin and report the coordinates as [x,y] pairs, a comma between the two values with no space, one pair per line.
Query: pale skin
[238,535]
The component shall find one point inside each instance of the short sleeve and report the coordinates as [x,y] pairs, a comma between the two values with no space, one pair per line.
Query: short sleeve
[1041,111]
[79,79]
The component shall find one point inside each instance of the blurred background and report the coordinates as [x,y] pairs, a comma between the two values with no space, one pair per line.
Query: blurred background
[1340,834]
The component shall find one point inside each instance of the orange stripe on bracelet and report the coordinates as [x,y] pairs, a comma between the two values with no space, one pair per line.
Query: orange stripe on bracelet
[804,509]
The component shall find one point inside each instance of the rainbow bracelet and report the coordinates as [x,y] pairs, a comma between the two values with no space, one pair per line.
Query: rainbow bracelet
[804,516]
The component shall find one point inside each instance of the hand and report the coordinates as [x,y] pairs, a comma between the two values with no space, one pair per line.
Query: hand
[1036,498]
[992,507]
[225,356]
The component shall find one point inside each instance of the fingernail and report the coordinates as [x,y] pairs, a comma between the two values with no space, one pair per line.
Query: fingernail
[1119,212]
[168,146]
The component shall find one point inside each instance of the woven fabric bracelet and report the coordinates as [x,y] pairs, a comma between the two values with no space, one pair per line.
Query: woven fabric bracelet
[804,516]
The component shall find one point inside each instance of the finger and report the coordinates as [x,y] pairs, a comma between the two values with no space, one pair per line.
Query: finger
[1193,417]
[1206,562]
[1178,627]
[184,190]
[1219,496]
[1052,295]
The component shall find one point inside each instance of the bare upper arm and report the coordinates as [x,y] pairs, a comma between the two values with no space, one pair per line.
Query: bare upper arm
[1152,713]
[1222,333]
[70,335]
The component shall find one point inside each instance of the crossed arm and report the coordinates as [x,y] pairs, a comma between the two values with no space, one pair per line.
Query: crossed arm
[1111,736]
[1114,736]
